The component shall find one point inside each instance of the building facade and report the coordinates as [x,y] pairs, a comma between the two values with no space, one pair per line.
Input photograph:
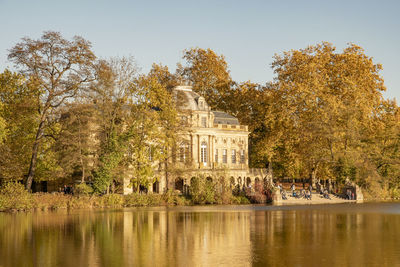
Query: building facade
[210,143]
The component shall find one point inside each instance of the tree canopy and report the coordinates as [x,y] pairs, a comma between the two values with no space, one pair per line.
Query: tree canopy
[67,115]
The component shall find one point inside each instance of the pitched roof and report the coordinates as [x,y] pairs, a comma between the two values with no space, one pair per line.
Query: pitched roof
[186,98]
[221,117]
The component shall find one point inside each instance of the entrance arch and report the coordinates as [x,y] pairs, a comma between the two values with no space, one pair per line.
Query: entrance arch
[179,184]
[248,182]
[156,187]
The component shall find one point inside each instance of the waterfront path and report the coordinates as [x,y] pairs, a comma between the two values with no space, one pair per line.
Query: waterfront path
[316,199]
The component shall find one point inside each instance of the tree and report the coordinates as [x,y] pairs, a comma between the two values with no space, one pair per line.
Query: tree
[209,75]
[330,99]
[163,76]
[151,128]
[17,101]
[58,69]
[111,94]
[77,143]
[382,145]
[136,118]
[2,125]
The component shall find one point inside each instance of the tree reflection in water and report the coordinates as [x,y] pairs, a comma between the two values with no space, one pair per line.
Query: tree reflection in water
[331,235]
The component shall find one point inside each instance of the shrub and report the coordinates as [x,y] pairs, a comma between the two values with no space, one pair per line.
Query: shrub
[239,200]
[202,191]
[154,200]
[50,201]
[14,196]
[170,197]
[395,193]
[83,189]
[182,201]
[223,193]
[113,200]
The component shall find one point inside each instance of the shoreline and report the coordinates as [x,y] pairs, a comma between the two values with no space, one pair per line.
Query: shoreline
[53,202]
[316,199]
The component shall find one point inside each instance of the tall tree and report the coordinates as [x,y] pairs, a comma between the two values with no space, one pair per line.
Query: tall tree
[209,75]
[18,102]
[329,98]
[164,76]
[58,69]
[136,114]
[152,130]
[111,93]
[77,145]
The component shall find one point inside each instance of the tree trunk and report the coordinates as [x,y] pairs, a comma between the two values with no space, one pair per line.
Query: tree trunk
[35,149]
[269,173]
[83,171]
[314,177]
[166,175]
[80,152]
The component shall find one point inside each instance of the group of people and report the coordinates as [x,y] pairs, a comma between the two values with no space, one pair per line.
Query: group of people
[323,190]
[67,190]
[350,195]
[304,193]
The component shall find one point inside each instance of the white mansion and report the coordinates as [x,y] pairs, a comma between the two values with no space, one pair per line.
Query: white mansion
[212,144]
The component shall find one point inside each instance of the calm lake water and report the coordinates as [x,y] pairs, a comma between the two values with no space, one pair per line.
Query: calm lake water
[319,235]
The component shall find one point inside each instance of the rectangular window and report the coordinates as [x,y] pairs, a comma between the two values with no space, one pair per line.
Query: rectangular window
[204,122]
[224,156]
[242,159]
[233,156]
[216,155]
[182,154]
[203,152]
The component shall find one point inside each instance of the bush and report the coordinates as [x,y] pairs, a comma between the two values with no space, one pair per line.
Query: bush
[202,191]
[395,193]
[13,196]
[112,200]
[223,193]
[239,200]
[83,189]
[50,201]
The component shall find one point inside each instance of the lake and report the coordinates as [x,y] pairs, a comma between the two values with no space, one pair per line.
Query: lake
[316,235]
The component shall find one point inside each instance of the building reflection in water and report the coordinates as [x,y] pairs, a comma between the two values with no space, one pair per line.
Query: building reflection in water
[187,238]
[242,236]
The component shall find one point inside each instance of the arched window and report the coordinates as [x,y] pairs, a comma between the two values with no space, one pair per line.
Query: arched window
[183,152]
[203,152]
[179,184]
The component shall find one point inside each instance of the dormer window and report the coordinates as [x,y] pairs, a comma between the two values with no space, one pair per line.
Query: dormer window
[201,102]
[204,122]
[184,120]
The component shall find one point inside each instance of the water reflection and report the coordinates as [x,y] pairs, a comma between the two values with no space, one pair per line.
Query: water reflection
[338,235]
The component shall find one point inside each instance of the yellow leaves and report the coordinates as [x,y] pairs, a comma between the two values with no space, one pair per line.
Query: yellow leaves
[209,74]
[326,99]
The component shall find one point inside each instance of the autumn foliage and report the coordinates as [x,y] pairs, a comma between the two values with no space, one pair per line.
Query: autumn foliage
[323,115]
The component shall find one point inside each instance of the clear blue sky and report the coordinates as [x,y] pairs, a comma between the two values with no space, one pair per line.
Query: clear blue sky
[248,33]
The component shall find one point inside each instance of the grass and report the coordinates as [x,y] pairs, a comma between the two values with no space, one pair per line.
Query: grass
[13,197]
